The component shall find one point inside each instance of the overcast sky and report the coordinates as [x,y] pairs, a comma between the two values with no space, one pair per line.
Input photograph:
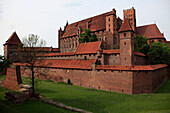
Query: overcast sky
[45,17]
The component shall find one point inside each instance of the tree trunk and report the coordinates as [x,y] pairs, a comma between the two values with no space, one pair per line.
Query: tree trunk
[33,90]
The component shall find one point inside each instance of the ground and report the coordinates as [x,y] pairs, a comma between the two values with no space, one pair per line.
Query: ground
[91,100]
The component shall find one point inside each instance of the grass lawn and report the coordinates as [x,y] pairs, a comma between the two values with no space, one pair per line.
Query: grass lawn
[27,107]
[96,100]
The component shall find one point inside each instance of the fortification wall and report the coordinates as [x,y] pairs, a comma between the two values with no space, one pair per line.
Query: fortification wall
[128,82]
[117,81]
[148,81]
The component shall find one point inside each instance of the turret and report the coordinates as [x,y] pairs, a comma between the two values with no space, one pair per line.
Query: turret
[126,34]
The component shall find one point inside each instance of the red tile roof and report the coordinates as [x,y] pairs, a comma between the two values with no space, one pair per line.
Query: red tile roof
[134,68]
[68,64]
[111,51]
[125,26]
[43,49]
[95,23]
[59,54]
[90,47]
[149,31]
[14,39]
[140,54]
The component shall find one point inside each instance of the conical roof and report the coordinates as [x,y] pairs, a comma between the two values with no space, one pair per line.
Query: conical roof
[125,26]
[14,39]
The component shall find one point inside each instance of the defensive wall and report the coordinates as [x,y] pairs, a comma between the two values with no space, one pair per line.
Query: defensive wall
[121,79]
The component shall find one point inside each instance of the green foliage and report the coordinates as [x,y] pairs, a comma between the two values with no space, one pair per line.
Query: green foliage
[159,53]
[87,37]
[4,63]
[141,44]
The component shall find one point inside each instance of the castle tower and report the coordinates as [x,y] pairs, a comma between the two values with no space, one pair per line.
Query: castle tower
[60,34]
[111,26]
[131,15]
[11,46]
[126,34]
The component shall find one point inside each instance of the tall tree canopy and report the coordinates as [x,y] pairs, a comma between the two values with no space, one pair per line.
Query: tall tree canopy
[141,44]
[87,36]
[159,53]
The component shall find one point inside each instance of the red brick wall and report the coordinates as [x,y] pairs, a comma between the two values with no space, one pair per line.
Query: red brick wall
[128,82]
[140,60]
[11,78]
[117,81]
[148,81]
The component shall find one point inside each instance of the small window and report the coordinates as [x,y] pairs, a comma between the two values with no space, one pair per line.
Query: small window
[109,25]
[124,43]
[109,29]
[125,58]
[124,34]
[89,54]
[125,16]
[109,19]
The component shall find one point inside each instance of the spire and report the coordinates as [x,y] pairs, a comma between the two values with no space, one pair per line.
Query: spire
[125,26]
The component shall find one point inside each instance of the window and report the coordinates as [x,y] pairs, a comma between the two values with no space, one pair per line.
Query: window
[124,34]
[109,29]
[85,58]
[109,25]
[124,43]
[109,19]
[125,16]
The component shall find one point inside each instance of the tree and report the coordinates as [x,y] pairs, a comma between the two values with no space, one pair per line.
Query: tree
[141,44]
[159,53]
[28,53]
[4,63]
[87,36]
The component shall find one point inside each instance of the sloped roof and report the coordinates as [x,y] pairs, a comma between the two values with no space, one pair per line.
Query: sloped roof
[134,68]
[59,54]
[125,26]
[14,39]
[95,23]
[45,49]
[139,54]
[90,47]
[68,64]
[149,31]
[112,51]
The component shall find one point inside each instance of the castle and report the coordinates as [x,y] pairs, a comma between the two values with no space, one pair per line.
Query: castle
[109,64]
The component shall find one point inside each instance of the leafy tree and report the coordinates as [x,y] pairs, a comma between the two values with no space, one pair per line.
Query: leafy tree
[29,54]
[4,63]
[159,53]
[141,44]
[87,37]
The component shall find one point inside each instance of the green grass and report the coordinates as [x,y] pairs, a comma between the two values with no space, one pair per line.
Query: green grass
[27,107]
[100,101]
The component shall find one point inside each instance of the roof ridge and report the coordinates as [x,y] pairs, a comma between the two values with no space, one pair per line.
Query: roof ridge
[146,25]
[90,17]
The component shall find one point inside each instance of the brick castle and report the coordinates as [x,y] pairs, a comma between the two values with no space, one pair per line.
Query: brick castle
[109,64]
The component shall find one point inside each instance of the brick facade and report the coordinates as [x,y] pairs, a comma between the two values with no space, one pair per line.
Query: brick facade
[121,81]
[13,77]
